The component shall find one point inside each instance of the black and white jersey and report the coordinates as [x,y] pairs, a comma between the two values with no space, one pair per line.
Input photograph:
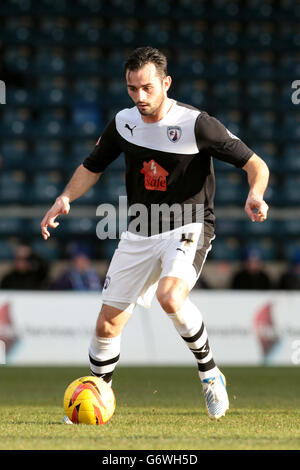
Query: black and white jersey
[169,161]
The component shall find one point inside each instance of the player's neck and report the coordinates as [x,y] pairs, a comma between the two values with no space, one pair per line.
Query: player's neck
[160,113]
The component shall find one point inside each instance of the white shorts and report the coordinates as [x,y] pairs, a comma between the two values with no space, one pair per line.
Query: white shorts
[140,262]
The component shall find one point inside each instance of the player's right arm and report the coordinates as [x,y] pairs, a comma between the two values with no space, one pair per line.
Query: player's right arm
[85,176]
[81,181]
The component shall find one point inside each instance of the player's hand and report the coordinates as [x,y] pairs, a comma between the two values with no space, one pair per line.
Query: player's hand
[61,206]
[256,208]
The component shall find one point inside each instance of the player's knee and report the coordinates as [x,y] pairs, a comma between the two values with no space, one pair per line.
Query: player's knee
[171,302]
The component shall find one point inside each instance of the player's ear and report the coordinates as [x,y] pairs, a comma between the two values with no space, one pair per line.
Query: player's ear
[167,82]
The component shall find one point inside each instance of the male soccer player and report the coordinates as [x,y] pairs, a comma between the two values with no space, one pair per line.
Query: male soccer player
[168,148]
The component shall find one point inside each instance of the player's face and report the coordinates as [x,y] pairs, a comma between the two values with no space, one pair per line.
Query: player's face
[147,89]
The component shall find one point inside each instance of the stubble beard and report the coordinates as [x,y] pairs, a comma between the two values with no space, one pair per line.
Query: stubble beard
[152,109]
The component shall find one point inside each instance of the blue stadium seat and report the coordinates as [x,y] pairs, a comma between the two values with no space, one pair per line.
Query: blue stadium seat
[49,60]
[258,34]
[15,154]
[226,65]
[267,228]
[261,93]
[230,189]
[263,125]
[78,226]
[229,227]
[291,227]
[259,65]
[17,122]
[108,248]
[88,90]
[12,226]
[232,119]
[86,120]
[291,126]
[266,247]
[45,188]
[291,158]
[289,65]
[7,248]
[193,93]
[227,93]
[49,154]
[49,250]
[291,189]
[52,122]
[112,186]
[13,187]
[290,249]
[226,249]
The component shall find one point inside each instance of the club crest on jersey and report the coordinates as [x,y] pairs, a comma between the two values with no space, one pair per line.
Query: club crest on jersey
[174,133]
[106,282]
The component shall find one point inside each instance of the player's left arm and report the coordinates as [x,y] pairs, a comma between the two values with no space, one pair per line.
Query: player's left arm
[258,178]
[214,137]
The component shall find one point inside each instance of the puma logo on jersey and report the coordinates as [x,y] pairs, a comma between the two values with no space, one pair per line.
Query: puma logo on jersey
[129,128]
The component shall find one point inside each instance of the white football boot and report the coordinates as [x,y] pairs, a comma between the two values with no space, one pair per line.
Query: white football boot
[215,394]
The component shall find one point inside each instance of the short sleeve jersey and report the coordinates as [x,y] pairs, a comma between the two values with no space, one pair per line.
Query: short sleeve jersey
[169,161]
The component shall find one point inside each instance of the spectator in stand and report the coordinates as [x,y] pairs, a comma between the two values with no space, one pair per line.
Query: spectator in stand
[251,275]
[29,271]
[290,279]
[80,276]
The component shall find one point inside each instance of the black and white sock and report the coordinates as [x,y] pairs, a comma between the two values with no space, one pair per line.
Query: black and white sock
[189,323]
[104,354]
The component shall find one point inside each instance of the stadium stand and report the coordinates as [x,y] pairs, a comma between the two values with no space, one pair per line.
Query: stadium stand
[62,61]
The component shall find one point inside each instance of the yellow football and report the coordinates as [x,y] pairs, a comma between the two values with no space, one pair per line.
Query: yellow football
[89,400]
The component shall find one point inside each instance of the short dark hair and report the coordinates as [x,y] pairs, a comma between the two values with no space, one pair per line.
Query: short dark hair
[145,55]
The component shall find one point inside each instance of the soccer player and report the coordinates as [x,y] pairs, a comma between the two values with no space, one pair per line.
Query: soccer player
[168,148]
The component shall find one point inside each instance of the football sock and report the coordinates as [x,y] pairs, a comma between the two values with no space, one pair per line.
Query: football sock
[104,354]
[188,322]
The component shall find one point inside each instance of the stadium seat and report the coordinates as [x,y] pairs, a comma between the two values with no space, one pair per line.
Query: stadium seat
[6,248]
[291,189]
[266,229]
[13,187]
[226,249]
[17,122]
[15,154]
[289,250]
[263,125]
[266,246]
[11,226]
[262,93]
[291,160]
[86,120]
[227,93]
[230,189]
[291,126]
[49,154]
[49,250]
[233,121]
[45,188]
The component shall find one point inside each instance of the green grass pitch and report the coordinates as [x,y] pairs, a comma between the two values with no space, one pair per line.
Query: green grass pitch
[158,408]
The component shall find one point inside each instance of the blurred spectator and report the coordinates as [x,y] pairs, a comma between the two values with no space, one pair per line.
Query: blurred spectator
[29,271]
[80,276]
[290,279]
[251,275]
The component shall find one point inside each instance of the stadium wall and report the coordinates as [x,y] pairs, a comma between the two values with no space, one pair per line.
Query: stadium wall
[42,328]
